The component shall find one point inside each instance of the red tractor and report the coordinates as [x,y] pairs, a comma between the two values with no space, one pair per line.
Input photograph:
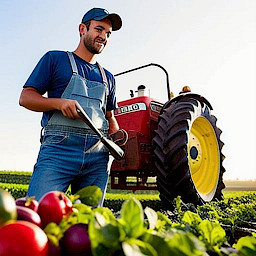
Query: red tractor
[173,147]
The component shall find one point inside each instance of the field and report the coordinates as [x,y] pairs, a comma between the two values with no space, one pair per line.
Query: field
[238,185]
[221,225]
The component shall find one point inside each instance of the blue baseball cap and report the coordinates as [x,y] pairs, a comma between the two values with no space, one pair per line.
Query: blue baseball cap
[100,14]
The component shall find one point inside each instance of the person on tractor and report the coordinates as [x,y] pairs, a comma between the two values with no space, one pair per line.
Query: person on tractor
[70,153]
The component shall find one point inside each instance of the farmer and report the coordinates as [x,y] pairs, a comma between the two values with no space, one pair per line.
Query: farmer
[70,153]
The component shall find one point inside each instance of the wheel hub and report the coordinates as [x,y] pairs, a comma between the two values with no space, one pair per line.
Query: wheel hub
[193,152]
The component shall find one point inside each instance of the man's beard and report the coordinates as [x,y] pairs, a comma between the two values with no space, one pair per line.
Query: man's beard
[90,45]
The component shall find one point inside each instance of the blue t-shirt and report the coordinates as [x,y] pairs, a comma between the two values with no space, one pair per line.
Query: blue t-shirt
[53,72]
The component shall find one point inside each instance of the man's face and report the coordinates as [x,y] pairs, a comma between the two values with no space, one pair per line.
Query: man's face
[96,38]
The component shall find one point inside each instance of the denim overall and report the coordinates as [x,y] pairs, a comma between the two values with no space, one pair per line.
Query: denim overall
[70,152]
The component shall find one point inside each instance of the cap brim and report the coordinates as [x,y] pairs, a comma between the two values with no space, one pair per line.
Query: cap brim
[115,20]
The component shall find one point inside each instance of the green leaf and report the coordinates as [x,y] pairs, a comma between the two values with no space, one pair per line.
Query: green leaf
[246,245]
[106,213]
[54,233]
[212,232]
[186,244]
[83,208]
[132,247]
[102,250]
[178,203]
[158,242]
[113,234]
[73,198]
[105,231]
[90,195]
[163,222]
[53,229]
[81,214]
[191,218]
[132,217]
[151,216]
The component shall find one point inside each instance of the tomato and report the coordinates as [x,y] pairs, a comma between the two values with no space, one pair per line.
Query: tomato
[7,207]
[53,206]
[23,238]
[29,202]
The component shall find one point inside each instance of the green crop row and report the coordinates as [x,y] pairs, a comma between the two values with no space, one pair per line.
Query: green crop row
[16,190]
[115,201]
[109,196]
[15,177]
[112,201]
[123,197]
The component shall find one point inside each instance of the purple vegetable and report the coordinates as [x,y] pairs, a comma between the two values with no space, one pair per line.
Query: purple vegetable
[76,241]
[27,214]
[54,250]
[29,202]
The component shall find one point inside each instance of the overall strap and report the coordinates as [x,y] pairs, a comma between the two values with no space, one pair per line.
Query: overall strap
[72,62]
[103,74]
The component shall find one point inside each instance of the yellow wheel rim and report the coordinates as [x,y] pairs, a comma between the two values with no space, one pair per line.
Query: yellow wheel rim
[203,156]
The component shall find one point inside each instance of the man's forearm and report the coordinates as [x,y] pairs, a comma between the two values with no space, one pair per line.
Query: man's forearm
[31,99]
[113,125]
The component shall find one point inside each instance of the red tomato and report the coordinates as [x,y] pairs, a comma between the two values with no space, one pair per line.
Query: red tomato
[23,238]
[53,206]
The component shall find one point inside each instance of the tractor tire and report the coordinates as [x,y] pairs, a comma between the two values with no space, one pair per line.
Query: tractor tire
[187,150]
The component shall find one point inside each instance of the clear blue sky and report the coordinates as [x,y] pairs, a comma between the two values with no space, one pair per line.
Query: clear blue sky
[209,45]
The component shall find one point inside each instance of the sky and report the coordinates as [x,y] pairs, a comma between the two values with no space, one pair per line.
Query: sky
[209,45]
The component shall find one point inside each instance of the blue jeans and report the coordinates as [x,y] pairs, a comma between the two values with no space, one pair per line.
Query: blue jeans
[64,160]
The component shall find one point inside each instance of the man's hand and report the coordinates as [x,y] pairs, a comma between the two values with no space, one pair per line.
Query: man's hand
[120,137]
[68,108]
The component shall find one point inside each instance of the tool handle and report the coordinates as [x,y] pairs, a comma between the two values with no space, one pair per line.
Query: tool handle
[113,148]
